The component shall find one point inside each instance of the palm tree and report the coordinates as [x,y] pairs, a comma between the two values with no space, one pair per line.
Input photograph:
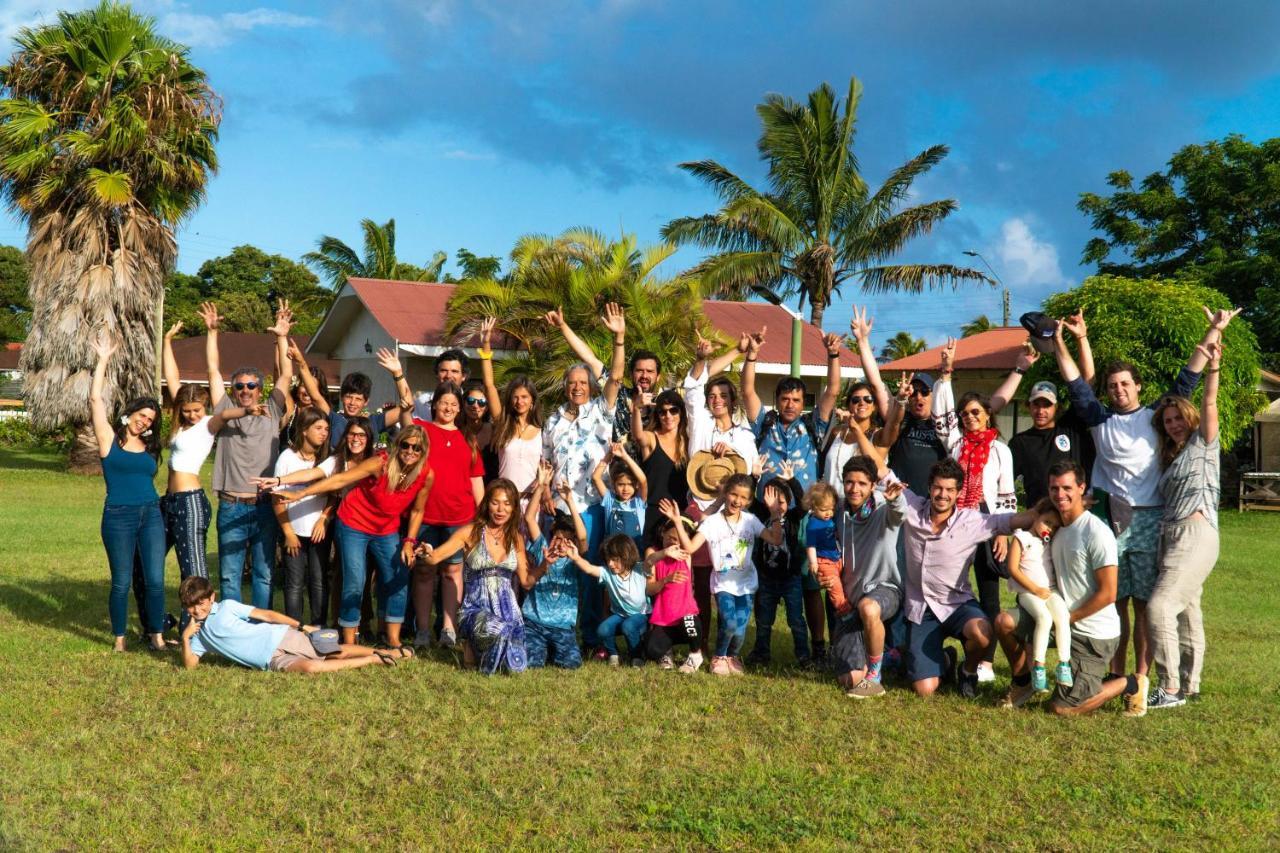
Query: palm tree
[578,272]
[979,324]
[336,261]
[819,224]
[902,345]
[106,143]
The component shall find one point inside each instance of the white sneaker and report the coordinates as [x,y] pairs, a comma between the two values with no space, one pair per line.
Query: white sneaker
[692,663]
[667,662]
[614,660]
[986,673]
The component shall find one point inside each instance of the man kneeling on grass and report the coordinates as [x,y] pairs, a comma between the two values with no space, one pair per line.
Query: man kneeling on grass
[271,641]
[1084,560]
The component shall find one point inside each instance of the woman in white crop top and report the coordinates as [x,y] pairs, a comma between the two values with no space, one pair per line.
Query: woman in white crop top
[517,424]
[185,505]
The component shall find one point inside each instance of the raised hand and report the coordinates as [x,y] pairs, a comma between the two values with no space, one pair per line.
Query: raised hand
[389,362]
[209,313]
[295,354]
[554,318]
[744,342]
[904,385]
[614,319]
[545,472]
[776,504]
[1027,356]
[832,342]
[670,509]
[702,350]
[755,341]
[892,490]
[284,319]
[1220,318]
[173,331]
[103,346]
[486,331]
[860,325]
[618,450]
[1212,352]
[949,356]
[757,467]
[786,470]
[1075,324]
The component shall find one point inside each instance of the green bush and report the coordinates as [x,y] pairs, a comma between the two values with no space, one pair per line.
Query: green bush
[1155,324]
[18,432]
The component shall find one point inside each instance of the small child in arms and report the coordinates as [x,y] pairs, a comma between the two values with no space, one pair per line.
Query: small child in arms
[822,546]
[1031,578]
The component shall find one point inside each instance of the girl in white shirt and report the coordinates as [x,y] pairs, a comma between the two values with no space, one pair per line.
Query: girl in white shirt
[306,552]
[1032,580]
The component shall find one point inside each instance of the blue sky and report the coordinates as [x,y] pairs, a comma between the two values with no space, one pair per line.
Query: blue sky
[474,123]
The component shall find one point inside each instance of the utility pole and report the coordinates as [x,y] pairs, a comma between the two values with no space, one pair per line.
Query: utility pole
[1004,302]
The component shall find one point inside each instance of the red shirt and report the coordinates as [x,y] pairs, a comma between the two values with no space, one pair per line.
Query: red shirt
[451,501]
[370,508]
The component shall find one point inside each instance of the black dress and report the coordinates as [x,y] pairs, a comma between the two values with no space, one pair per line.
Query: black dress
[666,480]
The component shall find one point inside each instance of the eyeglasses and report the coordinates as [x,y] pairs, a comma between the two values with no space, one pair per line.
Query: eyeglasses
[861,399]
[357,436]
[972,413]
[477,401]
[415,447]
[240,386]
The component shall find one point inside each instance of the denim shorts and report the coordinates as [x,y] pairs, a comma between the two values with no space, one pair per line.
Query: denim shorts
[924,641]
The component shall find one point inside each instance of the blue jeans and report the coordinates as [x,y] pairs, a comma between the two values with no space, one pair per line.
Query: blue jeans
[543,642]
[632,627]
[733,612]
[790,592]
[246,531]
[134,536]
[393,575]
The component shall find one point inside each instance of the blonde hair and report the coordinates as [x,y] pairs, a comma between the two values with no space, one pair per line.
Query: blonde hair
[820,495]
[1169,448]
[409,475]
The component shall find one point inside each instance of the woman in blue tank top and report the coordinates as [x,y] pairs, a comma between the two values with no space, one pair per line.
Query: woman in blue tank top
[132,527]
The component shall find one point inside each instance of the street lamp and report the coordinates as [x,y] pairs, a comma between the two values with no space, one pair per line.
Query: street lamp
[1005,296]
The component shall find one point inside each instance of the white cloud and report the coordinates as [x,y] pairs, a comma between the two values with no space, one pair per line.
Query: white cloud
[217,30]
[1025,260]
[16,14]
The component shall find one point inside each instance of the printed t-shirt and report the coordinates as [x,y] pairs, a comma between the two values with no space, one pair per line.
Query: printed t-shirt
[553,601]
[730,547]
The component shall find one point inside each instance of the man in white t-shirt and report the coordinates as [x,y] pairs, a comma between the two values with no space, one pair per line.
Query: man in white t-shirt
[1084,560]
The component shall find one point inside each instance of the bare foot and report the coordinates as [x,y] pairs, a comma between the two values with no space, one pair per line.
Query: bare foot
[119,646]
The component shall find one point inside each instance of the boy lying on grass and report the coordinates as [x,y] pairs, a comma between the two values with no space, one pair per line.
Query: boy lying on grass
[272,641]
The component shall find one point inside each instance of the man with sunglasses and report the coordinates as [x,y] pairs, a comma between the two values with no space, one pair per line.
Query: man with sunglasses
[247,448]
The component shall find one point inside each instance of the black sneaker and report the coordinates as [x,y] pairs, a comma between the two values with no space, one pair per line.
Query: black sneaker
[969,685]
[949,665]
[1161,699]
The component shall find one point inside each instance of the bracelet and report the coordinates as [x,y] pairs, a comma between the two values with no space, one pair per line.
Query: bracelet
[751,361]
[1019,371]
[396,377]
[1212,370]
[485,354]
[619,343]
[831,354]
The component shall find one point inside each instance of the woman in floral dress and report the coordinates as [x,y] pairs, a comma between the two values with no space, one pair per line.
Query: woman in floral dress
[489,621]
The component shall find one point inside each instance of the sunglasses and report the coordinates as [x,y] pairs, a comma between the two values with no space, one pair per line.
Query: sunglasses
[972,413]
[240,386]
[861,399]
[415,447]
[477,401]
[919,392]
[668,410]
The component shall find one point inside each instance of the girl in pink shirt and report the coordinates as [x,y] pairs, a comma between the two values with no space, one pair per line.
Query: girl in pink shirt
[674,619]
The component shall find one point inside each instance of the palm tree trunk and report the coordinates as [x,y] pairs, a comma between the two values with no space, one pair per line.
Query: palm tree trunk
[83,457]
[816,310]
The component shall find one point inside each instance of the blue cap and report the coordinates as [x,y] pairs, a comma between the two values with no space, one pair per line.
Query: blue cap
[924,379]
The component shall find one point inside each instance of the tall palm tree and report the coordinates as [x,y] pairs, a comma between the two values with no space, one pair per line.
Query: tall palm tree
[106,143]
[981,323]
[336,261]
[902,345]
[818,225]
[578,272]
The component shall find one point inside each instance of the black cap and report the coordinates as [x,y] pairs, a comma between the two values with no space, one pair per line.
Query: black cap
[1041,327]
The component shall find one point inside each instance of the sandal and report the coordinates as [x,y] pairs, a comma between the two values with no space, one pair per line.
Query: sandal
[387,658]
[402,652]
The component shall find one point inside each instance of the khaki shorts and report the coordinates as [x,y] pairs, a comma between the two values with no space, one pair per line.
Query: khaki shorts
[294,647]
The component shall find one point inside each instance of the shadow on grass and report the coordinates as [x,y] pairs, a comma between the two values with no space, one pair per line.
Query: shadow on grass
[77,607]
[32,459]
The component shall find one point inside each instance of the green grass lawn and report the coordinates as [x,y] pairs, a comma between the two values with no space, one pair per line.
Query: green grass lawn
[131,751]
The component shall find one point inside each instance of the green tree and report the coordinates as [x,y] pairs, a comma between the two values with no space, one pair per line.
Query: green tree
[1155,325]
[106,143]
[475,266]
[336,261]
[978,325]
[578,272]
[818,225]
[15,304]
[269,278]
[1212,213]
[902,345]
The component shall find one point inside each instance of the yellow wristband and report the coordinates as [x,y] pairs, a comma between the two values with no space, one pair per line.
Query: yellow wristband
[485,354]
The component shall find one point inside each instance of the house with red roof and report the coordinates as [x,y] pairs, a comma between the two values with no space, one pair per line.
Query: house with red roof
[409,318]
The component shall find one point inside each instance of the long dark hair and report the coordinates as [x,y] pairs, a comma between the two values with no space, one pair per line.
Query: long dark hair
[150,438]
[301,423]
[505,430]
[673,398]
[344,456]
[510,530]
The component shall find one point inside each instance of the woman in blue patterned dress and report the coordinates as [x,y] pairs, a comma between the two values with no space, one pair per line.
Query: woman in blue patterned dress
[489,621]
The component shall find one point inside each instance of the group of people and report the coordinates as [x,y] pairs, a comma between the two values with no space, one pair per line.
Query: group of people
[634,511]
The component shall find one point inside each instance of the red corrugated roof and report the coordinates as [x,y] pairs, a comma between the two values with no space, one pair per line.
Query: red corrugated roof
[243,349]
[9,356]
[733,318]
[996,349]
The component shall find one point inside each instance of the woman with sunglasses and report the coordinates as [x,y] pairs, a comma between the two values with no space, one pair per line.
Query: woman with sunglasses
[459,485]
[864,400]
[970,436]
[477,423]
[664,453]
[383,489]
[517,422]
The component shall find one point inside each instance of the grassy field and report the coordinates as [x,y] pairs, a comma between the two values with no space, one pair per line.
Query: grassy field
[130,751]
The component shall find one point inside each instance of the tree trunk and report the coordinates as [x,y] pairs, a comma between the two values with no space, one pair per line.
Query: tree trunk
[816,310]
[83,457]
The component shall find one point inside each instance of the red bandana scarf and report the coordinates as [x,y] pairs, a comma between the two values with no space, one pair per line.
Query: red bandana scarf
[975,448]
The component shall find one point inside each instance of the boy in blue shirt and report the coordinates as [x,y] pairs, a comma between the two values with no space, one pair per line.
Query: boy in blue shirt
[271,641]
[623,504]
[550,606]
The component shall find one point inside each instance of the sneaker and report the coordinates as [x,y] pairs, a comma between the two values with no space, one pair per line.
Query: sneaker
[735,664]
[614,660]
[448,639]
[667,663]
[1136,705]
[949,665]
[968,686]
[636,663]
[1191,697]
[1160,699]
[1039,680]
[721,666]
[865,689]
[986,673]
[1017,696]
[1063,674]
[691,664]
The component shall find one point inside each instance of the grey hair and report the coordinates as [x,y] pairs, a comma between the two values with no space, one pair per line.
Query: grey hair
[248,371]
[592,382]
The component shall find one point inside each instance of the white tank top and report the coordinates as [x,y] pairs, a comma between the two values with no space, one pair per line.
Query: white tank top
[191,447]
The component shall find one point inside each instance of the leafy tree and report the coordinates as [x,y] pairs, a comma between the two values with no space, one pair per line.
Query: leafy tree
[337,261]
[1155,325]
[15,304]
[106,142]
[1212,213]
[578,272]
[474,266]
[981,323]
[818,224]
[902,345]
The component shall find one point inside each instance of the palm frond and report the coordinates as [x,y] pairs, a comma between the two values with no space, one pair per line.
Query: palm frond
[916,278]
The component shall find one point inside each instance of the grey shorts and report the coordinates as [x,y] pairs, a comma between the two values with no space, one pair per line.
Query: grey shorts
[848,642]
[294,646]
[1090,661]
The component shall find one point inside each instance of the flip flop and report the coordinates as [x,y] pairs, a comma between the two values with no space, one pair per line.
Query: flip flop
[402,652]
[386,658]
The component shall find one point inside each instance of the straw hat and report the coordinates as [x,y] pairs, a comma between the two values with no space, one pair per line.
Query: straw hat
[706,472]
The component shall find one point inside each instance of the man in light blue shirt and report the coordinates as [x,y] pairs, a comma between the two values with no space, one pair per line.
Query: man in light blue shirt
[262,639]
